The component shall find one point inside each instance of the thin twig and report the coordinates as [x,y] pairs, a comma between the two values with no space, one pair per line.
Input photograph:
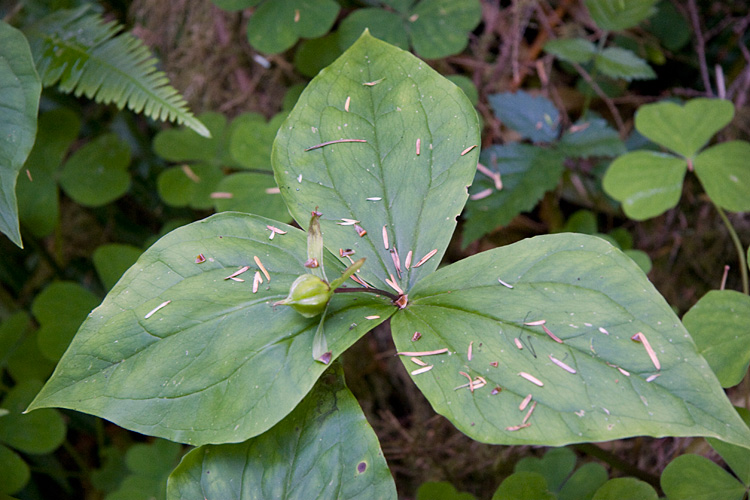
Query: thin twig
[610,105]
[376,291]
[700,45]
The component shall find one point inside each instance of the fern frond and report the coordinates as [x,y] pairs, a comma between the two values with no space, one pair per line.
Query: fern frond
[85,55]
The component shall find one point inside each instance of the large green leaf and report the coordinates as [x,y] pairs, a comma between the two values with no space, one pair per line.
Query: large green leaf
[20,88]
[276,26]
[527,172]
[251,140]
[616,15]
[646,182]
[718,323]
[177,350]
[598,384]
[684,129]
[383,182]
[324,449]
[724,171]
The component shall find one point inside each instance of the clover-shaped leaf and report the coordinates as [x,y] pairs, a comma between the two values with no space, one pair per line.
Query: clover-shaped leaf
[435,28]
[276,26]
[60,309]
[718,324]
[112,260]
[96,174]
[322,449]
[649,183]
[684,129]
[384,146]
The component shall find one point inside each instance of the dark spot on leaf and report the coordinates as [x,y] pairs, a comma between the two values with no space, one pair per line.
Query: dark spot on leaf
[361,467]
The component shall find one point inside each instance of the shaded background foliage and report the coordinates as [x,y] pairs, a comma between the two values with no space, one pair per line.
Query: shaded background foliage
[205,52]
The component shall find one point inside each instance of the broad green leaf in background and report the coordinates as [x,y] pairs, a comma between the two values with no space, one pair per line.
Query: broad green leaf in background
[251,140]
[442,490]
[393,101]
[149,466]
[97,173]
[577,50]
[534,117]
[596,383]
[724,172]
[383,24]
[20,88]
[625,488]
[584,482]
[617,15]
[27,361]
[435,28]
[112,260]
[35,433]
[693,477]
[670,27]
[439,28]
[323,449]
[591,138]
[276,26]
[313,55]
[16,472]
[647,183]
[736,457]
[189,185]
[251,193]
[555,466]
[527,172]
[112,470]
[523,486]
[185,145]
[617,62]
[178,350]
[12,330]
[718,323]
[684,129]
[38,198]
[464,83]
[60,309]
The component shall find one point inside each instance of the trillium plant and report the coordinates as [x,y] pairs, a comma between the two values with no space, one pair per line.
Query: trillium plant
[225,334]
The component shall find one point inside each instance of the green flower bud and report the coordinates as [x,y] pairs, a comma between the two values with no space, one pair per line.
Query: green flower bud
[308,295]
